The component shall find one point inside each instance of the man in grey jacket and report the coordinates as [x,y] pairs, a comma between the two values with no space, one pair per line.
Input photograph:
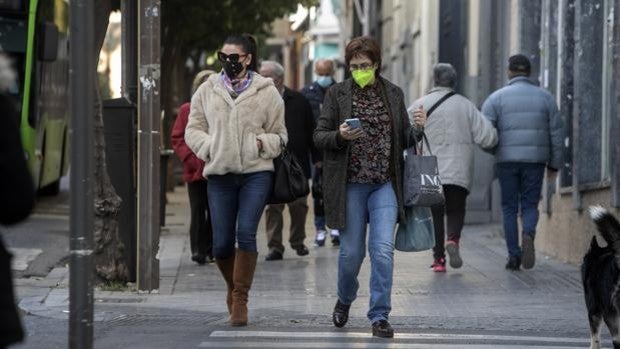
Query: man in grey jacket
[531,133]
[453,129]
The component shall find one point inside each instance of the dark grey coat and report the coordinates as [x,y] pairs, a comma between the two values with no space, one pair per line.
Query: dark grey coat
[336,108]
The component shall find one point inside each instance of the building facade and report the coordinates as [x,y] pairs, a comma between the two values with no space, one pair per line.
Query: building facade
[574,46]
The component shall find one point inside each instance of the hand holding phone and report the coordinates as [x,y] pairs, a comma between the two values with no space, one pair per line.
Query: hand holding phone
[351,129]
[353,123]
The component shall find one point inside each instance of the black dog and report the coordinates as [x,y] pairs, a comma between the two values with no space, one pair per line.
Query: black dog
[600,273]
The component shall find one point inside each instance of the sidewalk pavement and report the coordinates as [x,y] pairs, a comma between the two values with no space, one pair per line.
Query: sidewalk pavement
[298,293]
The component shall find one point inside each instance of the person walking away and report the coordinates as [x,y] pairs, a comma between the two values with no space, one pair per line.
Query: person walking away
[315,93]
[363,176]
[17,193]
[200,228]
[236,125]
[453,129]
[299,126]
[531,132]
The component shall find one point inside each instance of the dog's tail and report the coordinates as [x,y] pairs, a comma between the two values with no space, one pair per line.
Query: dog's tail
[607,225]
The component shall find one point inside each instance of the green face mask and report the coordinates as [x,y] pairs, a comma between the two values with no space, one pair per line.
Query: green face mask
[363,77]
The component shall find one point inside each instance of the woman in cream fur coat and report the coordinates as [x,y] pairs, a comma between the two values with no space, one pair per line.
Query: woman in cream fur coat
[235,125]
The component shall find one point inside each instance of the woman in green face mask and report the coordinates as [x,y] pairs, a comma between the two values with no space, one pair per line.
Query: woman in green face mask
[362,186]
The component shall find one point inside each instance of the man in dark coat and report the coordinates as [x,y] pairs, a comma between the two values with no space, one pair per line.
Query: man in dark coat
[315,93]
[17,199]
[300,126]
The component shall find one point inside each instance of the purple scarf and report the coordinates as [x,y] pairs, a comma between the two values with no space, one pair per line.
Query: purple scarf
[236,86]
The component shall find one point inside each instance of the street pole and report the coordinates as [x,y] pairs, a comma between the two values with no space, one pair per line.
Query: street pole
[148,144]
[82,71]
[129,37]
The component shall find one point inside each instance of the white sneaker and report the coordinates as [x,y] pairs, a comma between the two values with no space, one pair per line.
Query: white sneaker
[334,233]
[320,238]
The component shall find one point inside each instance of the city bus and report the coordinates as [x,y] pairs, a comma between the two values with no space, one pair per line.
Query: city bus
[34,34]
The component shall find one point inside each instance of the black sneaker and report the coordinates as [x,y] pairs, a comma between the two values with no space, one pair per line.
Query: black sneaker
[529,255]
[302,250]
[201,259]
[335,241]
[273,256]
[382,329]
[340,316]
[513,263]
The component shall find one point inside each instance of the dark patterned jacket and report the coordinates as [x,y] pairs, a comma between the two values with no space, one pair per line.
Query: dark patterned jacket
[336,108]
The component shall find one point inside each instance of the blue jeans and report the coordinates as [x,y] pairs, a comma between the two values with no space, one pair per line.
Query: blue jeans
[374,204]
[521,184]
[237,202]
[319,222]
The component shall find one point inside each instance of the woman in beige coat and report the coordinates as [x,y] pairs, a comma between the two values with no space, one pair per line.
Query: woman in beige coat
[236,124]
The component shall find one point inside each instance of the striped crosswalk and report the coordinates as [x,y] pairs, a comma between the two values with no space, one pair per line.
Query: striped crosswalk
[310,340]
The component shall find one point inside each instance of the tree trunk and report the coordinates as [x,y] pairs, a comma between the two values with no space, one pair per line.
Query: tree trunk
[108,254]
[173,95]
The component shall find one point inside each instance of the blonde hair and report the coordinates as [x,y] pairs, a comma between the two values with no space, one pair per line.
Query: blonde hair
[201,77]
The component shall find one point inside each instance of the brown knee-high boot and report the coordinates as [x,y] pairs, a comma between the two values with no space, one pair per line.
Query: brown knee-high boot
[245,264]
[227,267]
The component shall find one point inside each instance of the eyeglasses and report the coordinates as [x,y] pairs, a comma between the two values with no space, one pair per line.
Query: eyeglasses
[362,66]
[233,57]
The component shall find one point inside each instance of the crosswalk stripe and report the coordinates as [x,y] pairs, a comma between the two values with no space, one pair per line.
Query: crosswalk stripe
[368,345]
[407,336]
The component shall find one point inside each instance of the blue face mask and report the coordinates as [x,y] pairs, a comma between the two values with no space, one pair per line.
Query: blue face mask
[324,80]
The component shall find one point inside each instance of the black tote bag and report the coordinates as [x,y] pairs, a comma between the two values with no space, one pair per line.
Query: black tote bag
[422,184]
[289,181]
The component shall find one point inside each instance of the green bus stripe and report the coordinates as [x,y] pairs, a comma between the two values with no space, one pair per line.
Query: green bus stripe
[28,133]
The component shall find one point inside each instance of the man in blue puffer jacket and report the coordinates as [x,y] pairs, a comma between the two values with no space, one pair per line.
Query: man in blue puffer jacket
[531,134]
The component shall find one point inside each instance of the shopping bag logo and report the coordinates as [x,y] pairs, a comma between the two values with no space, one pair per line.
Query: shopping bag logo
[427,179]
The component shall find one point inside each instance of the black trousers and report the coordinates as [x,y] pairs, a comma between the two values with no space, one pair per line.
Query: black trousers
[10,324]
[200,228]
[454,211]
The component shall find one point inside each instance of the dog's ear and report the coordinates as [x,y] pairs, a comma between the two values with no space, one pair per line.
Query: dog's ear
[608,226]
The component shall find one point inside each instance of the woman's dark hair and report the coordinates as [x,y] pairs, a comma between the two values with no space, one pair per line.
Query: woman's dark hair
[366,46]
[248,42]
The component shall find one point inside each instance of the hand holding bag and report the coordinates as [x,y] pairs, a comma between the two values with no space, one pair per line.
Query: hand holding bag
[422,184]
[417,233]
[289,181]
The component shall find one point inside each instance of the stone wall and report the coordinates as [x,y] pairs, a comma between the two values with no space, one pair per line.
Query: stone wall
[565,233]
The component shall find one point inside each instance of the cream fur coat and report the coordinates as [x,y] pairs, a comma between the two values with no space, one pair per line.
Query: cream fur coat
[223,131]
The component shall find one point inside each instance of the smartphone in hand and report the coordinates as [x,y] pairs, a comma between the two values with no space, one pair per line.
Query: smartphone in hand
[353,123]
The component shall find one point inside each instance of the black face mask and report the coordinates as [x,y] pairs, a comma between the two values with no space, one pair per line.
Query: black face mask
[232,69]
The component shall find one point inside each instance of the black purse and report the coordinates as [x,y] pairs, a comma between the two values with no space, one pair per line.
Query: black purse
[289,181]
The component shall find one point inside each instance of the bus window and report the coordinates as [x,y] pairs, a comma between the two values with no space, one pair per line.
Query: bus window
[15,5]
[13,43]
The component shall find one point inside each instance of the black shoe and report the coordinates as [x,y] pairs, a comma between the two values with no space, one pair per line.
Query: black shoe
[210,259]
[340,316]
[382,329]
[201,259]
[513,263]
[274,256]
[335,241]
[529,255]
[302,250]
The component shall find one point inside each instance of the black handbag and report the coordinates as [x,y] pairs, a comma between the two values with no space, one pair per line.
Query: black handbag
[422,184]
[289,181]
